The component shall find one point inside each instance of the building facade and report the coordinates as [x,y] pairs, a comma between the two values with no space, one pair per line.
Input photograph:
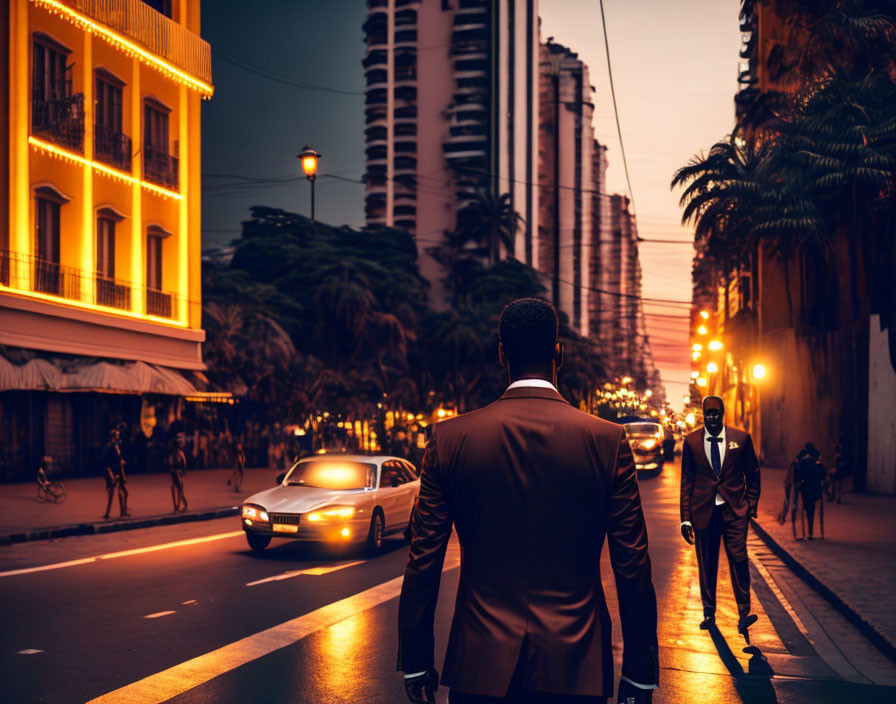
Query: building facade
[451,111]
[567,182]
[100,243]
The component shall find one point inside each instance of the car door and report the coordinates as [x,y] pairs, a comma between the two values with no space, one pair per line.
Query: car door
[389,494]
[411,487]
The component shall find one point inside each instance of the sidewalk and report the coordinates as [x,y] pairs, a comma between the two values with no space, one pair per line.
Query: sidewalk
[22,517]
[854,563]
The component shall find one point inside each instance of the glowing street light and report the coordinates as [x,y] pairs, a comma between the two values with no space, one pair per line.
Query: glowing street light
[702,330]
[704,314]
[712,367]
[690,419]
[759,371]
[626,380]
[695,356]
[715,345]
[309,160]
[697,347]
[701,381]
[648,393]
[694,375]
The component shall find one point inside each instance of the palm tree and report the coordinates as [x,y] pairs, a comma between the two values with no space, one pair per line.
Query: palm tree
[489,222]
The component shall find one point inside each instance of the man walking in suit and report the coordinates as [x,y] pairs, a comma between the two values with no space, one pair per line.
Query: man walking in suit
[533,487]
[719,494]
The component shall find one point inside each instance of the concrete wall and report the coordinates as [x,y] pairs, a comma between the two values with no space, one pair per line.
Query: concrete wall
[881,476]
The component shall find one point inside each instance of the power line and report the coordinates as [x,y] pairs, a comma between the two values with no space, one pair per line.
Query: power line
[631,193]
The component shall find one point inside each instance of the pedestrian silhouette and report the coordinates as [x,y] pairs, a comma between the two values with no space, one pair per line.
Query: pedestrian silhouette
[809,475]
[116,479]
[239,466]
[177,467]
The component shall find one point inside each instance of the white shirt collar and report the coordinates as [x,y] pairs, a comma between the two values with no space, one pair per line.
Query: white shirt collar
[540,383]
[707,435]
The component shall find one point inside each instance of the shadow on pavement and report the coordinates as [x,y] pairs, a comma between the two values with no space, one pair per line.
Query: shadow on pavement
[753,686]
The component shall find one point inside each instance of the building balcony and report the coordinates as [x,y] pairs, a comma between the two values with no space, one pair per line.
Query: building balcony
[60,121]
[28,273]
[158,34]
[159,303]
[112,147]
[160,167]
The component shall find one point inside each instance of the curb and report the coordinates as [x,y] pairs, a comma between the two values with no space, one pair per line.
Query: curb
[115,526]
[881,642]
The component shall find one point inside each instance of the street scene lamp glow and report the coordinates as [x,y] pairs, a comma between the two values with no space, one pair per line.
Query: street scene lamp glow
[648,393]
[697,347]
[759,371]
[704,314]
[701,381]
[309,160]
[694,375]
[712,367]
[690,419]
[702,330]
[715,345]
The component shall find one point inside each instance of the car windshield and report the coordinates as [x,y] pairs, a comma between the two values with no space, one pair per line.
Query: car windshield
[333,474]
[640,429]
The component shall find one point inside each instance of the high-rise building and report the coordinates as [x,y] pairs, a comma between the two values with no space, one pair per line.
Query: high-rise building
[451,111]
[100,316]
[566,182]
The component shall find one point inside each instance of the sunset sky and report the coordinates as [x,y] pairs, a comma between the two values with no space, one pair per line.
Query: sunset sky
[675,73]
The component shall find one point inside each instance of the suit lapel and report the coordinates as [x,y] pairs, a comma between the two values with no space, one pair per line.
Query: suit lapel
[735,437]
[696,441]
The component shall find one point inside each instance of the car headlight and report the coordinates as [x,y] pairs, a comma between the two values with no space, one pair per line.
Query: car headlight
[331,513]
[648,444]
[255,513]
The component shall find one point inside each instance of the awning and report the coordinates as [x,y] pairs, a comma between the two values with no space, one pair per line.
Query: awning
[94,376]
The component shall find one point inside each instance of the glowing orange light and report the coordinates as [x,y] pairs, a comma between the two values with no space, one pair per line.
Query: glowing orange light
[712,367]
[53,150]
[701,381]
[309,160]
[715,345]
[759,371]
[126,45]
[697,347]
[704,314]
[702,330]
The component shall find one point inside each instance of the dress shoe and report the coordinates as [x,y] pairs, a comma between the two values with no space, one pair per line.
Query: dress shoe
[745,622]
[708,623]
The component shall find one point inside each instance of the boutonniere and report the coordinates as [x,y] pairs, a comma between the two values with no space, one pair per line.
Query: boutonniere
[733,445]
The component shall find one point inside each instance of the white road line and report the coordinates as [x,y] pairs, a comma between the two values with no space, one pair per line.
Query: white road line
[160,613]
[29,651]
[123,553]
[317,571]
[191,601]
[170,683]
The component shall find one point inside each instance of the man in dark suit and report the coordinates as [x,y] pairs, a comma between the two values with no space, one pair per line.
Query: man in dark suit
[533,486]
[719,494]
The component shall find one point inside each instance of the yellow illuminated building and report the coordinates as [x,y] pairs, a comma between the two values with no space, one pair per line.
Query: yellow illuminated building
[100,201]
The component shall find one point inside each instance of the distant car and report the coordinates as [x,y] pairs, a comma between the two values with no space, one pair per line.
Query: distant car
[646,441]
[334,499]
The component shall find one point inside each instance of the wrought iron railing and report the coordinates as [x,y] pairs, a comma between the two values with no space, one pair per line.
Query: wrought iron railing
[24,272]
[158,303]
[60,121]
[112,147]
[159,34]
[160,167]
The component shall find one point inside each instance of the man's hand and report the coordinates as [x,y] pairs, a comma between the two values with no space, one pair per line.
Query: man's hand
[687,532]
[629,694]
[422,688]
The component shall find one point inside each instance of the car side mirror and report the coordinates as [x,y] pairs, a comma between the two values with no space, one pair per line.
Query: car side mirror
[281,477]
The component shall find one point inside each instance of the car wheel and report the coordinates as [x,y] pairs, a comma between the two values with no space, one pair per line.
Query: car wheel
[376,533]
[258,542]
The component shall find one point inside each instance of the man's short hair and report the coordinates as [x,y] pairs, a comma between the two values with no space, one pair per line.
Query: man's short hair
[528,330]
[716,399]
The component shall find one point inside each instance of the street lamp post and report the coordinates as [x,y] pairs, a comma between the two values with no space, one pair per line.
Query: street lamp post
[309,159]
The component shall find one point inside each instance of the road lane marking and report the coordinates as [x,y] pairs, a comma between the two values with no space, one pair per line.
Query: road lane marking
[316,571]
[174,681]
[123,553]
[160,613]
[29,651]
[191,601]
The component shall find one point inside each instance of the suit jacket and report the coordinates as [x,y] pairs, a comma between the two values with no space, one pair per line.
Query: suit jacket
[738,482]
[533,487]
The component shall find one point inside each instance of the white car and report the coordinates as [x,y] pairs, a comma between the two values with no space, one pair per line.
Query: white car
[334,499]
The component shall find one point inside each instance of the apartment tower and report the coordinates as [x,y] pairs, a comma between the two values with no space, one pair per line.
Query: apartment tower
[100,315]
[451,111]
[566,182]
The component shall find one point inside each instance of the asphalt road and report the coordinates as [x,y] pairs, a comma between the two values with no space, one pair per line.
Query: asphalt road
[209,621]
